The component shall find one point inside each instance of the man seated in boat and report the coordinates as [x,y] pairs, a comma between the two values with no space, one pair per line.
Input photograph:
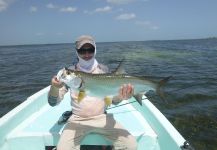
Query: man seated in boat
[89,114]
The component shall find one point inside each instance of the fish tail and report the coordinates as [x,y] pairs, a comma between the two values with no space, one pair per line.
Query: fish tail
[161,85]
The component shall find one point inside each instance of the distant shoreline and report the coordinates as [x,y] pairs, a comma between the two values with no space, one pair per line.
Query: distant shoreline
[208,38]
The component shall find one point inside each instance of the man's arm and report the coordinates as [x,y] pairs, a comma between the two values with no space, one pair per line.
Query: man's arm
[57,92]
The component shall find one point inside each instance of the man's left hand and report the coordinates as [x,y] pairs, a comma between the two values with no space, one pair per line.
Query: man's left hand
[126,91]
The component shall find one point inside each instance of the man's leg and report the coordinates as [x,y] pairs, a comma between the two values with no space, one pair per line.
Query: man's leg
[71,137]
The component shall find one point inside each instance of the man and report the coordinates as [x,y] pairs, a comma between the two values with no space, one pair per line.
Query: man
[88,115]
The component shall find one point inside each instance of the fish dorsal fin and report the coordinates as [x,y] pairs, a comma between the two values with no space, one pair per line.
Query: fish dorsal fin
[120,69]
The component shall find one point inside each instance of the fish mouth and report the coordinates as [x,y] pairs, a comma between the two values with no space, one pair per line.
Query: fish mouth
[81,84]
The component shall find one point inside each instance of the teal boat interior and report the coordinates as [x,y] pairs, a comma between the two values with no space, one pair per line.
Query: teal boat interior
[33,125]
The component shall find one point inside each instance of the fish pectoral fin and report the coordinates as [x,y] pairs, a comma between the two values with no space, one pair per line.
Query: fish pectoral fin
[108,100]
[81,95]
[139,97]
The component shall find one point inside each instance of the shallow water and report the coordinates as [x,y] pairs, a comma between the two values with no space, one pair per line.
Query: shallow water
[191,94]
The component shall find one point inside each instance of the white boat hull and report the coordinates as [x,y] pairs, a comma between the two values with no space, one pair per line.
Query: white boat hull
[33,125]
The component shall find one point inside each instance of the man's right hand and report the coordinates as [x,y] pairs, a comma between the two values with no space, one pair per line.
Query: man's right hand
[56,83]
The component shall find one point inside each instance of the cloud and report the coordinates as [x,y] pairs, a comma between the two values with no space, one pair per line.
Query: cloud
[120,2]
[68,9]
[99,10]
[147,24]
[126,16]
[51,6]
[154,27]
[4,4]
[104,9]
[33,9]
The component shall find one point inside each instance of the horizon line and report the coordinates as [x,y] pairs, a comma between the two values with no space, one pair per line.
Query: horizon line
[181,39]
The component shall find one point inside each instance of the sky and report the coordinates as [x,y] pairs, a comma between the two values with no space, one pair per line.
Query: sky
[62,21]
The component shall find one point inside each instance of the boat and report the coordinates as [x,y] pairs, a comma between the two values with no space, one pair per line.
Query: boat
[33,125]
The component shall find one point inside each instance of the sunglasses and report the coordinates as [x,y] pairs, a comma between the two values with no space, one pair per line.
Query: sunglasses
[83,51]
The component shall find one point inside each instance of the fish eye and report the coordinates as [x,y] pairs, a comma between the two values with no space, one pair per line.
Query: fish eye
[67,72]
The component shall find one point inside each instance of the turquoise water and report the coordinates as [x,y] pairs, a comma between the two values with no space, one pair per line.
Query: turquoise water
[191,94]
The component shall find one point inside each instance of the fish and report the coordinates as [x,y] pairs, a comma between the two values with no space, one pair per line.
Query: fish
[108,84]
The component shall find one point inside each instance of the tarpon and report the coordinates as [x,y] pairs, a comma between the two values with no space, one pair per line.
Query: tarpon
[108,84]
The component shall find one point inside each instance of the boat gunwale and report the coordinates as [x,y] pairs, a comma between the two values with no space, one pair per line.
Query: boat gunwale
[17,111]
[162,122]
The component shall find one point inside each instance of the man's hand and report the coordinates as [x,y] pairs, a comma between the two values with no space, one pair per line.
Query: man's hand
[126,91]
[56,83]
[55,86]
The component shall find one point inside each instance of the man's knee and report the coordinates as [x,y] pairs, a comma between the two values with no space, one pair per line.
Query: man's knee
[131,144]
[65,147]
[128,143]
